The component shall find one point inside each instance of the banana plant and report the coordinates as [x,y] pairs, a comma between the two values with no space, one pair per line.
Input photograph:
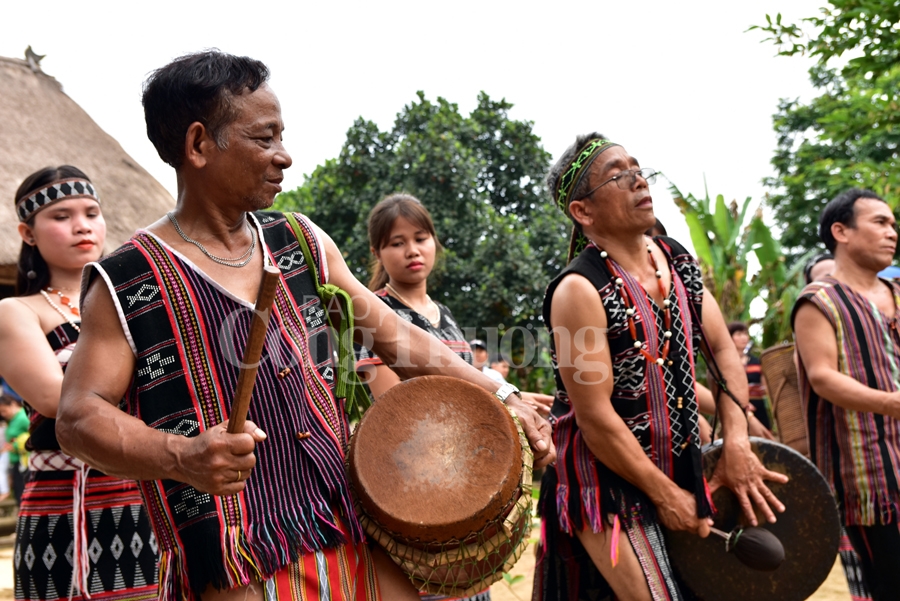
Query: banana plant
[781,294]
[724,244]
[723,248]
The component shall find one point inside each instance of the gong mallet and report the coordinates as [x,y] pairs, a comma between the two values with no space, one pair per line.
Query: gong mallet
[755,547]
[253,351]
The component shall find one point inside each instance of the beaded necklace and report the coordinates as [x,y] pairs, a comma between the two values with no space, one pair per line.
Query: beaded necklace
[60,311]
[64,300]
[630,310]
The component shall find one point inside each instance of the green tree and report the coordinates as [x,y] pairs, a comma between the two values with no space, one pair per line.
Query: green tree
[482,178]
[724,239]
[848,136]
[865,27]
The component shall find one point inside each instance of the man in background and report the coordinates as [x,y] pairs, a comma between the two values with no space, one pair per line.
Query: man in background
[845,325]
[479,353]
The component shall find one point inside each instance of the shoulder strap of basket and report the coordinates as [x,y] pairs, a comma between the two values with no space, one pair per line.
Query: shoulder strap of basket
[348,384]
[713,366]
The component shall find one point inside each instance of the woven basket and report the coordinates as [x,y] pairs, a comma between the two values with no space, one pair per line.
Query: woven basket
[780,372]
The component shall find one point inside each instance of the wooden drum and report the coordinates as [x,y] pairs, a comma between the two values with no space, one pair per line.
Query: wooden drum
[441,471]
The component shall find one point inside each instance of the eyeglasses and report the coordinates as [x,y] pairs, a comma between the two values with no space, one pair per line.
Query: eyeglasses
[625,179]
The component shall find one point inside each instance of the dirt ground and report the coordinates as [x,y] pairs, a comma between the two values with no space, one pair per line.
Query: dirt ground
[834,588]
[6,567]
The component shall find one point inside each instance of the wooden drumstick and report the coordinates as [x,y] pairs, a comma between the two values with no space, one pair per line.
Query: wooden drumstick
[252,352]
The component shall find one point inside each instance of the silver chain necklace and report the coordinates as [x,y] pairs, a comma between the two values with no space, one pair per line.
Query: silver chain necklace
[436,322]
[241,261]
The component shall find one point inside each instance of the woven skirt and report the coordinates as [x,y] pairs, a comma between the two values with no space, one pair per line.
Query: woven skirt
[115,556]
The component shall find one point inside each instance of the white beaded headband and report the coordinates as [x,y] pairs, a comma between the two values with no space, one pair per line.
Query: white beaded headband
[42,198]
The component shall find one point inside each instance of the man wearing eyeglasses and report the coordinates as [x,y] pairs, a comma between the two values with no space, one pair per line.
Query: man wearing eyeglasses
[624,318]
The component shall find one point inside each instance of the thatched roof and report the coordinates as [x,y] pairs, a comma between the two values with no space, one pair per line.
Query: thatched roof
[41,127]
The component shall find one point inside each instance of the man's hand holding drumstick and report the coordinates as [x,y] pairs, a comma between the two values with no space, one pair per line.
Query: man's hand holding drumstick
[219,462]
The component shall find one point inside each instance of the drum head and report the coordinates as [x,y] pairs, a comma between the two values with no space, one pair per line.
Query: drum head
[809,529]
[435,458]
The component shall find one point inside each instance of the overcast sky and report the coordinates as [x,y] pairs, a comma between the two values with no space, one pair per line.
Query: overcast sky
[681,85]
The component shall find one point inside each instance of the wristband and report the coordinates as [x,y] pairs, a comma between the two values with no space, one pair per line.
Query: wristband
[505,390]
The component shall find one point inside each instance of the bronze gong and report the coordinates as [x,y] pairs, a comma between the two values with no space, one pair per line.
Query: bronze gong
[809,529]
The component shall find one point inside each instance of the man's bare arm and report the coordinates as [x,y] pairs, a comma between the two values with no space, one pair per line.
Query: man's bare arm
[411,351]
[733,416]
[817,345]
[380,379]
[91,427]
[708,407]
[585,365]
[738,467]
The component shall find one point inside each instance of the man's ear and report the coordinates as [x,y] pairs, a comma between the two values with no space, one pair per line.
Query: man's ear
[839,231]
[582,212]
[198,145]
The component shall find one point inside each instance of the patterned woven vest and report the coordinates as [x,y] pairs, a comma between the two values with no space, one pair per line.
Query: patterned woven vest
[188,335]
[657,403]
[858,452]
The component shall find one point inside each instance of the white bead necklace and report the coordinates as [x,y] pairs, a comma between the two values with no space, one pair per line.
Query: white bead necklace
[60,311]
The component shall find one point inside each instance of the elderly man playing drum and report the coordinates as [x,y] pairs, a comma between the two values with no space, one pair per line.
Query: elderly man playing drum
[267,511]
[849,370]
[624,317]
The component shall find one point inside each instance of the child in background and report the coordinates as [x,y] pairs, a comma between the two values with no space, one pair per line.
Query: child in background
[15,436]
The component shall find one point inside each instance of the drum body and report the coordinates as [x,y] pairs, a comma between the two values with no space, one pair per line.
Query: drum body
[780,372]
[809,529]
[441,472]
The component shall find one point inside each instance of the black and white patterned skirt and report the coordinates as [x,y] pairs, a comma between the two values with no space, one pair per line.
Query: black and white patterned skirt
[116,556]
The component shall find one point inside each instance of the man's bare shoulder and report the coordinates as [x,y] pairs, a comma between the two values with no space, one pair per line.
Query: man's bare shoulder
[160,227]
[809,318]
[322,234]
[812,300]
[99,312]
[572,289]
[575,299]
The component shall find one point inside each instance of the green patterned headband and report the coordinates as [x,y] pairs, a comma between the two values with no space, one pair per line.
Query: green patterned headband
[581,165]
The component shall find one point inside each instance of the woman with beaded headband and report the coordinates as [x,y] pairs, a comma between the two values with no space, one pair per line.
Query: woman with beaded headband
[624,340]
[113,555]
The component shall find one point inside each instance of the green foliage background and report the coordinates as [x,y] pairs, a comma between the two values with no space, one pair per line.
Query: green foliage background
[725,237]
[847,136]
[482,178]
